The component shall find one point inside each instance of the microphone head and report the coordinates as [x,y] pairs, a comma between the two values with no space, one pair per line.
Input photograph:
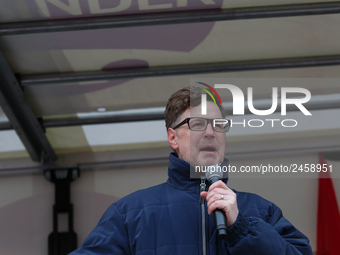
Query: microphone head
[214,171]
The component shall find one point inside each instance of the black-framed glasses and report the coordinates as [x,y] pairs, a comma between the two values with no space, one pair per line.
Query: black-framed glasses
[200,124]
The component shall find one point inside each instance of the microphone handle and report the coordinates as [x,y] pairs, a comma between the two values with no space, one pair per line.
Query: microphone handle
[220,217]
[220,220]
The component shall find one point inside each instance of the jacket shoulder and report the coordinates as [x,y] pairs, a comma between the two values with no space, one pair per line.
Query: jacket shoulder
[141,198]
[156,196]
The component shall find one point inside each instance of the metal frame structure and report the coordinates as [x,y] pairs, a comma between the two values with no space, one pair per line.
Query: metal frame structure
[21,116]
[30,129]
[274,11]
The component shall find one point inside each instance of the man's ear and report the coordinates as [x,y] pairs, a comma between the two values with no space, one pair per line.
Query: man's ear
[172,138]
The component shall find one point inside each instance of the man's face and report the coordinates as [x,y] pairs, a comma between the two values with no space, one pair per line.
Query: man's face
[200,148]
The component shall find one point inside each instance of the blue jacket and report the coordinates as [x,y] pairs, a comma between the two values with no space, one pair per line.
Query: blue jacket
[166,219]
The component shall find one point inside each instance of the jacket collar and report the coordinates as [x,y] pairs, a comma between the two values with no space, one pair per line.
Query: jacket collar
[179,174]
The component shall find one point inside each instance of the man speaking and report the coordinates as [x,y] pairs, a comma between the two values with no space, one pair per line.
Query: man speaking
[177,217]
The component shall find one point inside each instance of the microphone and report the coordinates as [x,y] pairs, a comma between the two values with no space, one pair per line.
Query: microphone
[214,174]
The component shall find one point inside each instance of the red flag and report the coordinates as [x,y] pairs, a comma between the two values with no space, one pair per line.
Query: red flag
[328,226]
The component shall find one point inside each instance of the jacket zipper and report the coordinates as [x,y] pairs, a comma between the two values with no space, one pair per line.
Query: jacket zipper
[204,238]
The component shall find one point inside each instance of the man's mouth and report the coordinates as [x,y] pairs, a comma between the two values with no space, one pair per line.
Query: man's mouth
[208,148]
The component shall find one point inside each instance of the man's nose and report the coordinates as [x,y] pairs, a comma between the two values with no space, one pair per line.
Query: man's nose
[209,130]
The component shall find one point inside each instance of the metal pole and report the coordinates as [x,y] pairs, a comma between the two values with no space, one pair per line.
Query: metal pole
[230,66]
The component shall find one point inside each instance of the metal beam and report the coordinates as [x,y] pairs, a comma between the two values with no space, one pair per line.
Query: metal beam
[230,66]
[67,122]
[147,162]
[21,116]
[6,126]
[74,24]
[318,102]
[103,120]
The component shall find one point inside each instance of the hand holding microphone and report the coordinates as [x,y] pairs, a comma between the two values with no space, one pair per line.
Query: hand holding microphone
[222,201]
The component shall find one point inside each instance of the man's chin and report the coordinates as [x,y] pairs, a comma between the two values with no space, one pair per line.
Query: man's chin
[208,162]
